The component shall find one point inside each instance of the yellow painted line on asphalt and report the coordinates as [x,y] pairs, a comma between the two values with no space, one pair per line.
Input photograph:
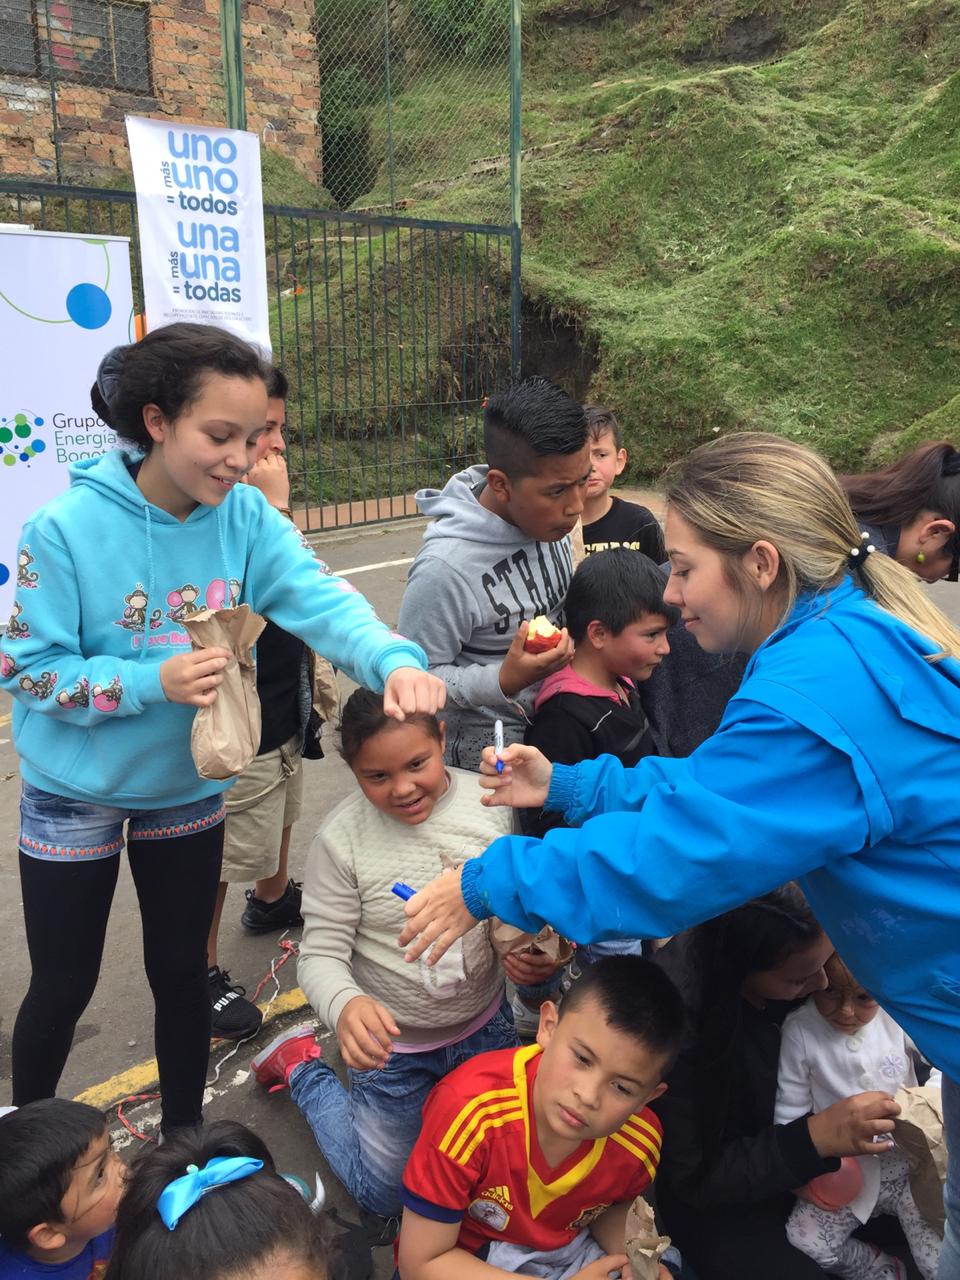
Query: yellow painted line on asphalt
[143,1077]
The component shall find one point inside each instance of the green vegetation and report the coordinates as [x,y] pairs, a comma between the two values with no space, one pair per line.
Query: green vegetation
[750,211]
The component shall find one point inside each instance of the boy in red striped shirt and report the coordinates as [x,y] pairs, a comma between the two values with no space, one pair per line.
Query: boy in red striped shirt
[531,1157]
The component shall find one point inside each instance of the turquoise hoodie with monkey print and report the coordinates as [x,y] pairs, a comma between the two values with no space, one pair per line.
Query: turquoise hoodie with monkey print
[104,582]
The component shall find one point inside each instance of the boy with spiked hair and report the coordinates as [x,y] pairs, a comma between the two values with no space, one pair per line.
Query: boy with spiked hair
[496,556]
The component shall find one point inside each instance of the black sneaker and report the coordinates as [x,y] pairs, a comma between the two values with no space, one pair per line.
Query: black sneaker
[263,917]
[234,1018]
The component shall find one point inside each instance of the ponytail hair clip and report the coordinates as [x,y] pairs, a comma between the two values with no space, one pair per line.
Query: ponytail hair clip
[859,554]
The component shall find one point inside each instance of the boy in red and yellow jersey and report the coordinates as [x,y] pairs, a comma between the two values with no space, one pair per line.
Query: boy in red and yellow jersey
[534,1155]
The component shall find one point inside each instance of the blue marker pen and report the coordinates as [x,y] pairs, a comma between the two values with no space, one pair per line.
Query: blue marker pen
[403,891]
[498,743]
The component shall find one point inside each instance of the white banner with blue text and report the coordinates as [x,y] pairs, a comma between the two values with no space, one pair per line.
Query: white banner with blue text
[200,208]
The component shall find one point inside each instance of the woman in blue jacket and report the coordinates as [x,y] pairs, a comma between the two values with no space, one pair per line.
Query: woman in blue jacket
[835,762]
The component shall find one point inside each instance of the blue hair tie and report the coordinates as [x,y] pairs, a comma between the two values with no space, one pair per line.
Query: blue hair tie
[182,1194]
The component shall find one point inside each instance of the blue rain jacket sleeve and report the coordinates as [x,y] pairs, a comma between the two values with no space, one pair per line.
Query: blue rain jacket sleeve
[41,665]
[763,801]
[287,584]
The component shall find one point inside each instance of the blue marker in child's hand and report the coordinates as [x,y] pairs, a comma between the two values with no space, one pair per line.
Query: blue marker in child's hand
[498,743]
[403,891]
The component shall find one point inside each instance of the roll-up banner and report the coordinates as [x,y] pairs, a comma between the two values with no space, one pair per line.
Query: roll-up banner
[65,300]
[200,210]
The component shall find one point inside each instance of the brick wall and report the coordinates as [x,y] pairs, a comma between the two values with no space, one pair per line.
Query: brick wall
[282,93]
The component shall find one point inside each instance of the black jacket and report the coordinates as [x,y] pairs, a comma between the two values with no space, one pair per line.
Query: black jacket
[570,727]
[721,1148]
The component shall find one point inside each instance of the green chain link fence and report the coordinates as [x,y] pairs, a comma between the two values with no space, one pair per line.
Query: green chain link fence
[415,105]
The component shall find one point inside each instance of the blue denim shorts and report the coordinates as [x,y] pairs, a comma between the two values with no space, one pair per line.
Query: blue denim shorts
[56,828]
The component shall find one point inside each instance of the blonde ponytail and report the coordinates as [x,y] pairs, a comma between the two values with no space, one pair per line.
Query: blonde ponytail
[747,488]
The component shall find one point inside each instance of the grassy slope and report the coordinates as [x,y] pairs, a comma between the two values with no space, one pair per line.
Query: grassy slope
[774,246]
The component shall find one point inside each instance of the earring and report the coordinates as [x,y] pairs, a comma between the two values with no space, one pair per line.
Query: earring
[920,557]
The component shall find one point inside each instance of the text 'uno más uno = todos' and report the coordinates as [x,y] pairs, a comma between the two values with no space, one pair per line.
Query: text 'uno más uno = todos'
[207,259]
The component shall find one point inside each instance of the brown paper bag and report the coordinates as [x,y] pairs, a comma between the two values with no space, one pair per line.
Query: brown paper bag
[578,551]
[506,941]
[325,691]
[226,734]
[644,1247]
[918,1132]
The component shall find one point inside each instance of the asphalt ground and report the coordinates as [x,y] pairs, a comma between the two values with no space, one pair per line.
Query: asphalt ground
[112,1057]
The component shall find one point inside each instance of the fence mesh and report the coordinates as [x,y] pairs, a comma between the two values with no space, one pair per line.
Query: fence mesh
[399,106]
[414,106]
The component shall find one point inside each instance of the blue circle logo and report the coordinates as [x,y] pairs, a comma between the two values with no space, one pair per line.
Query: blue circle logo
[88,306]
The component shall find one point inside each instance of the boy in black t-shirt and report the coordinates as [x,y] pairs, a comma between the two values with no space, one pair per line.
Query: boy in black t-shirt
[618,621]
[610,522]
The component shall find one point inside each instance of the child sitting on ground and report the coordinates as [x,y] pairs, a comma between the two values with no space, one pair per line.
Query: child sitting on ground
[400,1027]
[532,1157]
[839,1044]
[608,521]
[60,1184]
[209,1205]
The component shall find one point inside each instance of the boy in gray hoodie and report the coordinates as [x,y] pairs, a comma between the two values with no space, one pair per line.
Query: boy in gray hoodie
[496,555]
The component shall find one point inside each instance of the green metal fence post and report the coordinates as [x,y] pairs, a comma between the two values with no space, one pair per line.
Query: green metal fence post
[52,80]
[516,296]
[391,167]
[231,41]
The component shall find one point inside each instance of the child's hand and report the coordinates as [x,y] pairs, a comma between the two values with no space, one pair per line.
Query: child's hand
[270,476]
[194,678]
[520,669]
[409,690]
[529,968]
[600,1269]
[525,779]
[848,1127]
[365,1030]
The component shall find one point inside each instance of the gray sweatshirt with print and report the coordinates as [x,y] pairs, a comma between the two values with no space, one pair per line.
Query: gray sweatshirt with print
[476,577]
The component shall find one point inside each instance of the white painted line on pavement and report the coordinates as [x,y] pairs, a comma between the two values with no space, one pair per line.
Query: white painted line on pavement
[368,568]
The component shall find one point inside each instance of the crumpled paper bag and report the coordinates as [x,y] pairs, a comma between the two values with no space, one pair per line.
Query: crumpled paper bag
[918,1132]
[507,941]
[645,1246]
[226,734]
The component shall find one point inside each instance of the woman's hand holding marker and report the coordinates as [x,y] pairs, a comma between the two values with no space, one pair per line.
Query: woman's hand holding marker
[436,916]
[515,775]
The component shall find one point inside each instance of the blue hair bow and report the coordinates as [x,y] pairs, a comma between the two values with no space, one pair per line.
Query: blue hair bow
[182,1194]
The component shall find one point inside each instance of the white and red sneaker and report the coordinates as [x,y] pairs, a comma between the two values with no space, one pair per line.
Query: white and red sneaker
[273,1065]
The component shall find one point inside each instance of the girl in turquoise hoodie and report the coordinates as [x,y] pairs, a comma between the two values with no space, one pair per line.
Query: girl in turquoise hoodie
[835,763]
[106,685]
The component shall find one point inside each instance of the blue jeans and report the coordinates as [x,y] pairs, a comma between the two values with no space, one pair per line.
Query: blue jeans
[950,1257]
[594,951]
[367,1132]
[60,829]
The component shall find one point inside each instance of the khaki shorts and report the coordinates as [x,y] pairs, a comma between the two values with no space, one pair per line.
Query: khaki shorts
[264,800]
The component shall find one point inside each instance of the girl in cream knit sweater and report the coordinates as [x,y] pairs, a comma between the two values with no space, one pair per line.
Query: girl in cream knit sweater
[400,1027]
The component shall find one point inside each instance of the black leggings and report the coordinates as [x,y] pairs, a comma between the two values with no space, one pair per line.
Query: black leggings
[65,910]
